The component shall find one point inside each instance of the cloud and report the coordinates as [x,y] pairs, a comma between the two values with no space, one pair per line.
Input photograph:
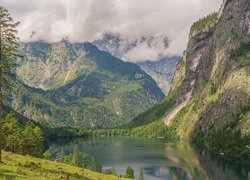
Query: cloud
[86,20]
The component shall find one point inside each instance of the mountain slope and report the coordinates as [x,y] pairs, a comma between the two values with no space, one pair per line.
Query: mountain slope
[209,101]
[78,85]
[161,71]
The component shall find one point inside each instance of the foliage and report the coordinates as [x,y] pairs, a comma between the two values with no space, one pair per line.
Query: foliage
[27,140]
[78,159]
[243,49]
[228,133]
[111,171]
[154,113]
[178,75]
[129,173]
[205,24]
[8,48]
[155,129]
[47,155]
[225,140]
[110,132]
[95,166]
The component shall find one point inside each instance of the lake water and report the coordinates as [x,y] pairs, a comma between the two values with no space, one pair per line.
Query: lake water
[158,158]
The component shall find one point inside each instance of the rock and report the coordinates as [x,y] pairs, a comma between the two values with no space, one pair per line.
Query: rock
[245,22]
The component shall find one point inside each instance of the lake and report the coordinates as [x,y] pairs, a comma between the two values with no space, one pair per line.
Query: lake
[158,158]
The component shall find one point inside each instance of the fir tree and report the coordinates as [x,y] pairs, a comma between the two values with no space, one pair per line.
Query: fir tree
[8,49]
[130,173]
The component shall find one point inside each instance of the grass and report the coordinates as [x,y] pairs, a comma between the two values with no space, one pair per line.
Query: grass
[25,167]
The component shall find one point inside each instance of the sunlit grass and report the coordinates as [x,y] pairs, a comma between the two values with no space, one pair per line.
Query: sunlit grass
[25,167]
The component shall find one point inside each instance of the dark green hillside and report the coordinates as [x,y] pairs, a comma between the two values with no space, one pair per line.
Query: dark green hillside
[78,85]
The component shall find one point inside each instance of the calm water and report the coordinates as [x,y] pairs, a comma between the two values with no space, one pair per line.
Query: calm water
[158,159]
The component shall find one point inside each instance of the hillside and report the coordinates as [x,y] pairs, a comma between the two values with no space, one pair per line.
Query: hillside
[23,167]
[65,84]
[210,97]
[162,71]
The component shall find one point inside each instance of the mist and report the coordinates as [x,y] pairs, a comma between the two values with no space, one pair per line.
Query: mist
[87,20]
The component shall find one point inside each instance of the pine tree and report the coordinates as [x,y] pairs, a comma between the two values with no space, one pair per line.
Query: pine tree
[130,173]
[8,49]
[74,159]
[11,133]
[39,142]
[60,155]
[28,140]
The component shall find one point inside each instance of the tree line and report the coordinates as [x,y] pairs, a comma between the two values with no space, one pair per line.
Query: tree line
[26,140]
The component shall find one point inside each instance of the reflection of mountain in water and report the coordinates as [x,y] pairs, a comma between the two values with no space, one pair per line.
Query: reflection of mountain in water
[189,164]
[157,172]
[159,159]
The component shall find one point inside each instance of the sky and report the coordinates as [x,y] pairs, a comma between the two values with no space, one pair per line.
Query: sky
[87,20]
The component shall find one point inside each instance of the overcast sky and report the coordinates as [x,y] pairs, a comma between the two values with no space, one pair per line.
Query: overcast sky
[86,20]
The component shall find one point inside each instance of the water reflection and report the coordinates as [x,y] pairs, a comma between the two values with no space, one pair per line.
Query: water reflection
[158,159]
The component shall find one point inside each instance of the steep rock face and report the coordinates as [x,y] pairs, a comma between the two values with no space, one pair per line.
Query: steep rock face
[210,97]
[216,54]
[67,84]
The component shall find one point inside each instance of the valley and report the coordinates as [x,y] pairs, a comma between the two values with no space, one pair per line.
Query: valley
[116,100]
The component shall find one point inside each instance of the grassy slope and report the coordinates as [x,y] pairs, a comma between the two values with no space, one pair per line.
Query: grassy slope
[23,167]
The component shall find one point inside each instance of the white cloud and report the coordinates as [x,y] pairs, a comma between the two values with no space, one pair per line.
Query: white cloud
[85,20]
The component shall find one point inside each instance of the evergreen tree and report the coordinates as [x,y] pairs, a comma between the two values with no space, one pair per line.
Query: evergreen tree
[39,142]
[8,49]
[130,173]
[47,155]
[12,134]
[141,176]
[74,158]
[79,159]
[60,155]
[111,171]
[28,141]
[94,166]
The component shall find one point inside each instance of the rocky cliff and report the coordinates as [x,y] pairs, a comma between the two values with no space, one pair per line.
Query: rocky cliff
[209,101]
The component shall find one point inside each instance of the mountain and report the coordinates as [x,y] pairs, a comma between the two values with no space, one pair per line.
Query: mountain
[161,71]
[77,85]
[125,48]
[209,101]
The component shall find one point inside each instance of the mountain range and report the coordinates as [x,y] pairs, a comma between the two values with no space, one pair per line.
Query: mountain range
[78,85]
